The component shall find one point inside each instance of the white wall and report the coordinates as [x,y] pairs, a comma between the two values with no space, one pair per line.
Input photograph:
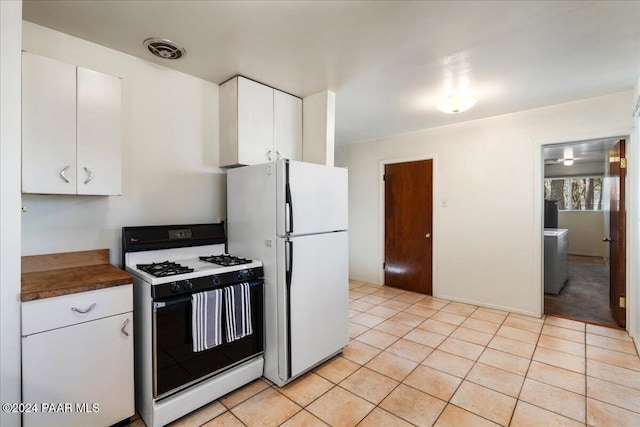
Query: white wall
[169,156]
[586,230]
[488,240]
[10,117]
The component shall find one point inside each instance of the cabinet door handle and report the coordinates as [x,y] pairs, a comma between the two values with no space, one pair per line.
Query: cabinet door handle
[269,155]
[89,173]
[123,329]
[85,311]
[277,155]
[62,174]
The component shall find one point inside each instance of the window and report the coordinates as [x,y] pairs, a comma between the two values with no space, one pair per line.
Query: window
[575,194]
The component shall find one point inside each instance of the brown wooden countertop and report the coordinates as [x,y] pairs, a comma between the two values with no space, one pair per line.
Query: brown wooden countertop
[52,275]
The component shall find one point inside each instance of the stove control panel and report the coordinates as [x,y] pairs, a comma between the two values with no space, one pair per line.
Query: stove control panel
[177,288]
[245,275]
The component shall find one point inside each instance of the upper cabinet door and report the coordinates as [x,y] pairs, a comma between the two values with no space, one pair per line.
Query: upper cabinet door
[287,126]
[258,124]
[48,126]
[99,133]
[255,122]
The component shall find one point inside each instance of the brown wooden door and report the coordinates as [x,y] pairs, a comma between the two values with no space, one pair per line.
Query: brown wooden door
[408,208]
[617,230]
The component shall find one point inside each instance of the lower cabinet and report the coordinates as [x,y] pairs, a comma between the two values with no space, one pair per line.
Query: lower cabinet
[81,374]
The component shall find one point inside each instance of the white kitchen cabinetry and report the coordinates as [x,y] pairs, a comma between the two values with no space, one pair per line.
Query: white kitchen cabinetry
[82,359]
[287,126]
[556,259]
[258,124]
[71,129]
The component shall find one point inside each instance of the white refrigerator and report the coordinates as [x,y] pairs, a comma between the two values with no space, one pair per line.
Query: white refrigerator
[293,216]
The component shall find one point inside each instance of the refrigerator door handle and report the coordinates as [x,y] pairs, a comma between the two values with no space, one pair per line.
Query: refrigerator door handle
[289,205]
[289,263]
[288,274]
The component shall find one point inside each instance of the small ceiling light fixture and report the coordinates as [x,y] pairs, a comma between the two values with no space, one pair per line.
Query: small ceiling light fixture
[456,104]
[165,49]
[567,160]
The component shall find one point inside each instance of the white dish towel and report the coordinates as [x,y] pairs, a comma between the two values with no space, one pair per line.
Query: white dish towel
[238,311]
[206,319]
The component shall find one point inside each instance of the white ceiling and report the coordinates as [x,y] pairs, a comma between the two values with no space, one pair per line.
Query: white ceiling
[593,151]
[389,62]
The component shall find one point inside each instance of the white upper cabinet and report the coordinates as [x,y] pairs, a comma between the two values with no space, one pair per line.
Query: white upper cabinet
[255,122]
[99,133]
[287,126]
[258,124]
[71,129]
[48,126]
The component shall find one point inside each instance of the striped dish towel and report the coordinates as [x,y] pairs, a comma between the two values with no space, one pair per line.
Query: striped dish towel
[238,308]
[206,319]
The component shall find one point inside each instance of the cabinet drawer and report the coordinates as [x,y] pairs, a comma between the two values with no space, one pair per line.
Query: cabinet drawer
[52,313]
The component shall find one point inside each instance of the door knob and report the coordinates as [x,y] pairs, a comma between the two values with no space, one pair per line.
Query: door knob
[606,240]
[428,235]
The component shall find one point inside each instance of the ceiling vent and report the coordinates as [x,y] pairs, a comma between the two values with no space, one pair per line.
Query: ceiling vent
[164,48]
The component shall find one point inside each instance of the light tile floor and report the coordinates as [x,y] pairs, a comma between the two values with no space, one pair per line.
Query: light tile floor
[418,360]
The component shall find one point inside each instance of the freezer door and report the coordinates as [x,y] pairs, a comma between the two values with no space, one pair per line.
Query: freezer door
[316,299]
[251,211]
[313,199]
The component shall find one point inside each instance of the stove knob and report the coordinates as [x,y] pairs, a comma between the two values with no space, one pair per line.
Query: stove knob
[175,288]
[216,280]
[241,276]
[187,285]
[250,274]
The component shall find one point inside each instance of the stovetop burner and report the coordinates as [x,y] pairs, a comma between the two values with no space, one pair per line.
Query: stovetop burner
[162,269]
[225,260]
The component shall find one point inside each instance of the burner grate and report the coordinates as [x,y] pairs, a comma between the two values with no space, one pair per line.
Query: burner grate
[163,269]
[225,260]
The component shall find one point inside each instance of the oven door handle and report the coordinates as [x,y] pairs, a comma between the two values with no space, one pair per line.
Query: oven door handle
[161,304]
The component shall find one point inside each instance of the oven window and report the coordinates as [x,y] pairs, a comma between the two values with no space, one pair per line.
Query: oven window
[176,365]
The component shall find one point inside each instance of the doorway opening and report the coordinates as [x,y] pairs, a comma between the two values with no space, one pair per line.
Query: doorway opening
[585,231]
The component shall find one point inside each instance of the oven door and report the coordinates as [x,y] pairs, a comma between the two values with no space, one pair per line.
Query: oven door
[176,365]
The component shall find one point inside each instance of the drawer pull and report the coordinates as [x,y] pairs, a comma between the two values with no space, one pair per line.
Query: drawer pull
[62,174]
[79,310]
[124,327]
[89,175]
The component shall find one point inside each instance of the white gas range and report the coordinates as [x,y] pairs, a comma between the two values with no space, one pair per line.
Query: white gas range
[170,265]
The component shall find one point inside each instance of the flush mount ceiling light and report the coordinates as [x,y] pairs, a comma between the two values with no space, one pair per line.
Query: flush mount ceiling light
[456,104]
[567,160]
[165,49]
